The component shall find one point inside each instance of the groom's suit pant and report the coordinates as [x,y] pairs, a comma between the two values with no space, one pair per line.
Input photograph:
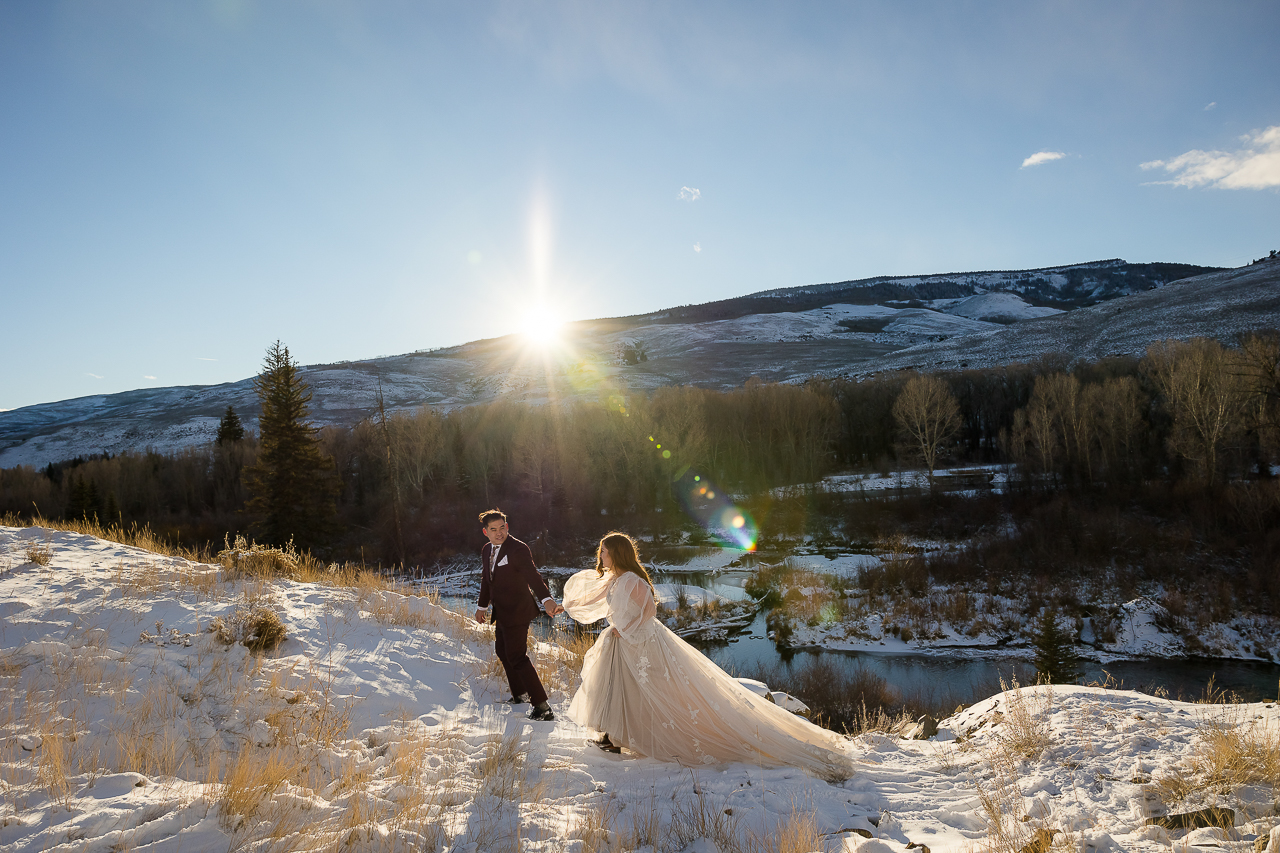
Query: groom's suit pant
[512,646]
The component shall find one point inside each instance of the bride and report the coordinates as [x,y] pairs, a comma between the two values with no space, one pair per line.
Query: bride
[658,696]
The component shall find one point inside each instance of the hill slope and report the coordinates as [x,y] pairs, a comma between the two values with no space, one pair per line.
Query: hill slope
[130,726]
[883,324]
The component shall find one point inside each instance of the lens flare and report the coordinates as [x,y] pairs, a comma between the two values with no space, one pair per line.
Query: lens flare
[728,523]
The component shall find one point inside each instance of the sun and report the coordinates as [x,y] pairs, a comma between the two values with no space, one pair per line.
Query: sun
[542,326]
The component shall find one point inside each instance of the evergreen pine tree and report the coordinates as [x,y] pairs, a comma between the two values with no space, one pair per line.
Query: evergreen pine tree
[229,428]
[92,502]
[292,486]
[1055,658]
[111,510]
[77,494]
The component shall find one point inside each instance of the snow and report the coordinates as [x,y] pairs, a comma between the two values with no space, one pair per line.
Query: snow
[999,308]
[668,595]
[413,758]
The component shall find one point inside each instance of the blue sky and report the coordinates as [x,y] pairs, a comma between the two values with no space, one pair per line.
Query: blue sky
[183,183]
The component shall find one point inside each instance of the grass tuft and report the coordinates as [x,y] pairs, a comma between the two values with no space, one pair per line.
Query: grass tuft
[1229,752]
[40,553]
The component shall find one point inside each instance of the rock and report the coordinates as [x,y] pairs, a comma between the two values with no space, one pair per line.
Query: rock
[790,703]
[1271,841]
[1099,842]
[1147,806]
[1224,818]
[1210,836]
[30,742]
[922,729]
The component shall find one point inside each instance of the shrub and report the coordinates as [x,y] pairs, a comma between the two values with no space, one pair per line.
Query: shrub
[259,628]
[263,630]
[251,560]
[39,553]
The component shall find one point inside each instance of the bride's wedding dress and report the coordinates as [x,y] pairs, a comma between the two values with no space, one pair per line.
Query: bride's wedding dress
[656,695]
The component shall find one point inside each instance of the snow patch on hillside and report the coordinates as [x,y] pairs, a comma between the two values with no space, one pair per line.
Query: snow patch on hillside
[999,308]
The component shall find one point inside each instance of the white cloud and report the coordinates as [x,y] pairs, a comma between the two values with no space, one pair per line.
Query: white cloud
[201,358]
[94,375]
[690,194]
[1210,105]
[1041,157]
[1256,166]
[697,247]
[152,378]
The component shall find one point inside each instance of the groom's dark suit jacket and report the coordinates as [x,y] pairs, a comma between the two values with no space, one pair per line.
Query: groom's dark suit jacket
[508,587]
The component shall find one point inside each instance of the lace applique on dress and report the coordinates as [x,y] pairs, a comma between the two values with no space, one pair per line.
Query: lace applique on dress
[642,669]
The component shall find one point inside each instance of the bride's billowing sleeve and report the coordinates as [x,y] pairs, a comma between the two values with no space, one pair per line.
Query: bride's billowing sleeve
[631,607]
[584,596]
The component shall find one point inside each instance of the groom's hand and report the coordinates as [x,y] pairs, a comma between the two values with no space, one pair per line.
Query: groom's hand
[481,616]
[552,608]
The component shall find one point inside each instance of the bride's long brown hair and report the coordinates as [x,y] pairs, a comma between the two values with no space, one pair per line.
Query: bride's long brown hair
[624,554]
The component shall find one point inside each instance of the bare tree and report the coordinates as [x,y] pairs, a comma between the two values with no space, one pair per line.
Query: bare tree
[1258,365]
[1203,394]
[419,441]
[1120,427]
[928,416]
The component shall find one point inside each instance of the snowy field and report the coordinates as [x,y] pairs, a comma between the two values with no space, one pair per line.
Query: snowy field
[126,723]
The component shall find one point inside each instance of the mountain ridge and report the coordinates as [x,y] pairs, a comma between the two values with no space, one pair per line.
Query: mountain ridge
[604,357]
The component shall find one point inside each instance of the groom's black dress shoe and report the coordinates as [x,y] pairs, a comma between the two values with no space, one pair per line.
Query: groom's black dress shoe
[542,713]
[522,699]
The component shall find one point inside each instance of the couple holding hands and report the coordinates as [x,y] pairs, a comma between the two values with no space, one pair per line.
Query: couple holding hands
[643,687]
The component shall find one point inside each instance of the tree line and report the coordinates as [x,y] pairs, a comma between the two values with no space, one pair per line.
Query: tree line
[404,487]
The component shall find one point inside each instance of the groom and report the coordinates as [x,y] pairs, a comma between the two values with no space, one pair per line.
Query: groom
[507,578]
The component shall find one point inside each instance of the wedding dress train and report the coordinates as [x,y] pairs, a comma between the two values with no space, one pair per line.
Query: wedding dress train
[658,696]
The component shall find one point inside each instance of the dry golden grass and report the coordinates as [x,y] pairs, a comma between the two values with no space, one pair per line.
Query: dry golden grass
[879,720]
[593,826]
[1025,731]
[1023,734]
[697,816]
[1008,830]
[796,832]
[249,782]
[137,537]
[1230,751]
[40,553]
[563,669]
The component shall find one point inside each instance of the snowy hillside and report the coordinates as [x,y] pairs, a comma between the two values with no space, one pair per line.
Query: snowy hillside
[959,328]
[999,308]
[1219,305]
[129,724]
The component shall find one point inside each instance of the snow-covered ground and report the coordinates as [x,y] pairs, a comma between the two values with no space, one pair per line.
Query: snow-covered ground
[126,724]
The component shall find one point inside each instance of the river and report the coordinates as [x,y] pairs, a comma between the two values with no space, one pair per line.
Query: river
[962,676]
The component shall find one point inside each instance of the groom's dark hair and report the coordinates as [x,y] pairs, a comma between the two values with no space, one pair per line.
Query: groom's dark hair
[492,515]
